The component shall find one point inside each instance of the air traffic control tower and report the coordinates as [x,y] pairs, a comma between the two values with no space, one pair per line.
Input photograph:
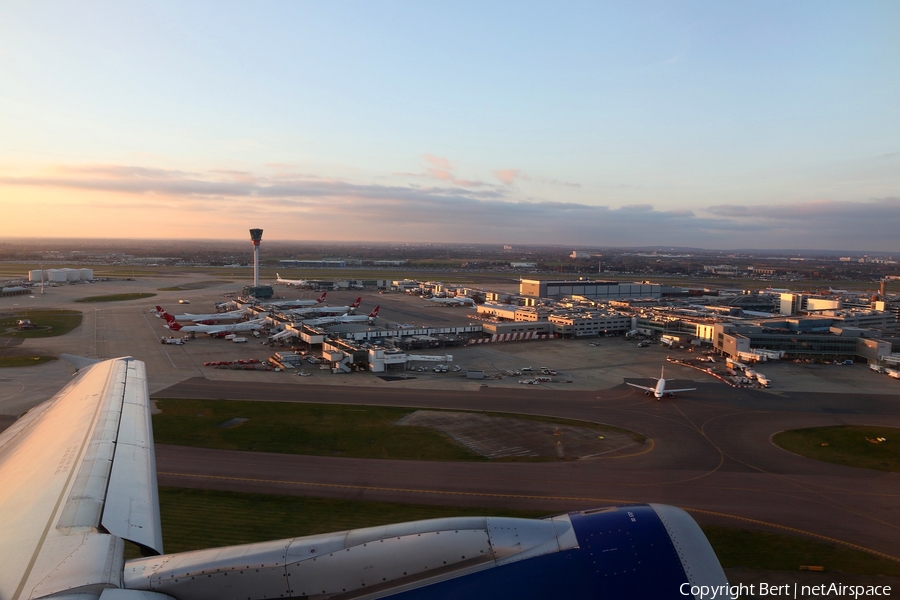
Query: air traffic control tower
[260,292]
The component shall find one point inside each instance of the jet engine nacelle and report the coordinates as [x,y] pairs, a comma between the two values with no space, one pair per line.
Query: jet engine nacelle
[638,552]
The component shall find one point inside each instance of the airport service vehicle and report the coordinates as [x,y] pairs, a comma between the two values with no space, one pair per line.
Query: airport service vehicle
[68,539]
[877,368]
[762,380]
[171,340]
[893,373]
[660,390]
[174,325]
[184,302]
[370,318]
[239,340]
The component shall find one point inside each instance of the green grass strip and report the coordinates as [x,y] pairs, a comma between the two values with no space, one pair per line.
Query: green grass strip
[846,445]
[24,361]
[194,519]
[313,429]
[781,552]
[48,323]
[117,297]
[321,430]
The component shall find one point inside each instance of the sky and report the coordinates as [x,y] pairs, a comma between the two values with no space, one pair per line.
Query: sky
[719,125]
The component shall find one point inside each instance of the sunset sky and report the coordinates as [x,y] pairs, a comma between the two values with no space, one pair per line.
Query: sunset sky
[709,124]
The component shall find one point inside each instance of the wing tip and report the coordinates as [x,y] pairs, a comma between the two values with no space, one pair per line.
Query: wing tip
[79,362]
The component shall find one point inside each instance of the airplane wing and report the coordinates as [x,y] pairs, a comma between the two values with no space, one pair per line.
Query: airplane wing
[77,477]
[668,391]
[641,387]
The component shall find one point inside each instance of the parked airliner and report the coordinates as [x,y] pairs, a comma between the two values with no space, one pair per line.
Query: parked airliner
[174,325]
[457,301]
[233,315]
[297,303]
[327,310]
[295,282]
[348,318]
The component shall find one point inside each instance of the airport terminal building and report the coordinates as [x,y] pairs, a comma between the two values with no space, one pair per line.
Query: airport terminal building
[595,290]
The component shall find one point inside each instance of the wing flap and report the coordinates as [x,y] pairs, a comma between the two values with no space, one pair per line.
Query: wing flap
[132,501]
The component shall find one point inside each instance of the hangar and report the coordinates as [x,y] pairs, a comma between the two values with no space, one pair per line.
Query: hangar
[595,290]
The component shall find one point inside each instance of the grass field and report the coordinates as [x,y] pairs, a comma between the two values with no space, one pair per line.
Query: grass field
[319,429]
[117,297]
[846,445]
[316,429]
[24,361]
[776,551]
[195,519]
[48,323]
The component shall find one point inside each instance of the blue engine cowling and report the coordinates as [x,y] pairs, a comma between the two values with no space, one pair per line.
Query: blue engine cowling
[635,552]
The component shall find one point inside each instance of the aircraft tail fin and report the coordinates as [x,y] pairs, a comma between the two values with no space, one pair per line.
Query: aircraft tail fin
[356,303]
[374,312]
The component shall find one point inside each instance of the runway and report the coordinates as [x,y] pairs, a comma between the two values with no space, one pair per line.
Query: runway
[709,452]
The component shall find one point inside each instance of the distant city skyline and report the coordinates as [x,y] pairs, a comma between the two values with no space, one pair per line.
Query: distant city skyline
[703,124]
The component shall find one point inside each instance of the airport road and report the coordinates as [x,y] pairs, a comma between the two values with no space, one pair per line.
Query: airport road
[710,452]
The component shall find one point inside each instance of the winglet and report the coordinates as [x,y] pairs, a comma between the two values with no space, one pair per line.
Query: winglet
[79,362]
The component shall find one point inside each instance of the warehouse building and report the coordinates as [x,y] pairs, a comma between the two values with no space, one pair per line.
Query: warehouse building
[595,290]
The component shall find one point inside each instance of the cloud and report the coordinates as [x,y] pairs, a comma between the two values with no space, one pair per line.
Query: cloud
[442,169]
[508,176]
[439,161]
[346,210]
[826,223]
[336,209]
[821,211]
